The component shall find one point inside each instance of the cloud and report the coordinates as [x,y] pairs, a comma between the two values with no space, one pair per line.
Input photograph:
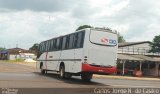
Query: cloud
[37,5]
[140,15]
[30,21]
[26,28]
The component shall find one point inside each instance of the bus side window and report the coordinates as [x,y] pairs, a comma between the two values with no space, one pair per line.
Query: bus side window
[41,45]
[47,43]
[44,46]
[71,40]
[75,40]
[51,45]
[57,44]
[64,42]
[48,46]
[60,43]
[67,42]
[79,39]
[54,44]
[82,39]
[39,48]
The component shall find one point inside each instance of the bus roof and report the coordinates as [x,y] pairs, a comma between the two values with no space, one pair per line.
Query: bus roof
[100,29]
[85,29]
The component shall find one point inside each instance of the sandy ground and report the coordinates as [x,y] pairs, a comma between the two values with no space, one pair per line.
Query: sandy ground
[24,75]
[13,67]
[31,64]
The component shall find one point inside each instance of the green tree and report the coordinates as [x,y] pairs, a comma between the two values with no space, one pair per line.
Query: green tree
[34,48]
[83,26]
[155,45]
[120,38]
[1,48]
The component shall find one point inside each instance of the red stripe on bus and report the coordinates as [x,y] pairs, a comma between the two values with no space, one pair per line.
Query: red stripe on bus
[94,69]
[46,59]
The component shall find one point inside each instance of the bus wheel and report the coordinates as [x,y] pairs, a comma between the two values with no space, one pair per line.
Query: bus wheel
[61,72]
[86,76]
[42,70]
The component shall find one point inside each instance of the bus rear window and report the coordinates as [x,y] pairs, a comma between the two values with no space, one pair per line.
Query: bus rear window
[103,38]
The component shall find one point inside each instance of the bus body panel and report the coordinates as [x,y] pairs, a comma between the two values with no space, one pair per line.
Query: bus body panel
[102,48]
[71,60]
[50,60]
[53,60]
[67,57]
[79,59]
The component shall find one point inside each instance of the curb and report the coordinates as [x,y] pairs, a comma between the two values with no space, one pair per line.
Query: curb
[126,77]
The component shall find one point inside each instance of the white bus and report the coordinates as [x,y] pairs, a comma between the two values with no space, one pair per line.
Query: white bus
[82,53]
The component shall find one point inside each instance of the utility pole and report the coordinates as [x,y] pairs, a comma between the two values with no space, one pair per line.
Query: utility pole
[16,51]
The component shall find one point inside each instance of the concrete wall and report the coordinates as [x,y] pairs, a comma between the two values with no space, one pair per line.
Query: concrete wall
[21,56]
[13,57]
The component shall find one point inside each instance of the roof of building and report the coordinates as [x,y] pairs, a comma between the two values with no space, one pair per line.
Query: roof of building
[137,57]
[3,51]
[15,49]
[132,43]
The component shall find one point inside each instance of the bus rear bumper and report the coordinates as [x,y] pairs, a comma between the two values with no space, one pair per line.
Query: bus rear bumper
[98,70]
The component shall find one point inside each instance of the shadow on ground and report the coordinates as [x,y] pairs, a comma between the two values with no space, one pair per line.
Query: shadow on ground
[73,80]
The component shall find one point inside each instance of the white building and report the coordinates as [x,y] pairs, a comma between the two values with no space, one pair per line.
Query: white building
[136,55]
[18,53]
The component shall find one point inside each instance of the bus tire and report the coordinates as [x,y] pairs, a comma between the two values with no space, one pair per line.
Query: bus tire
[86,77]
[42,70]
[62,72]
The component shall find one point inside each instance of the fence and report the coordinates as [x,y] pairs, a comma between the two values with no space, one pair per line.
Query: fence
[136,51]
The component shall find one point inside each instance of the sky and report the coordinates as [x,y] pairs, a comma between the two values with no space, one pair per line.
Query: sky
[25,22]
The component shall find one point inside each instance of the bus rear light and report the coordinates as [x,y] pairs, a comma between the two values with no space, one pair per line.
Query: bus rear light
[85,59]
